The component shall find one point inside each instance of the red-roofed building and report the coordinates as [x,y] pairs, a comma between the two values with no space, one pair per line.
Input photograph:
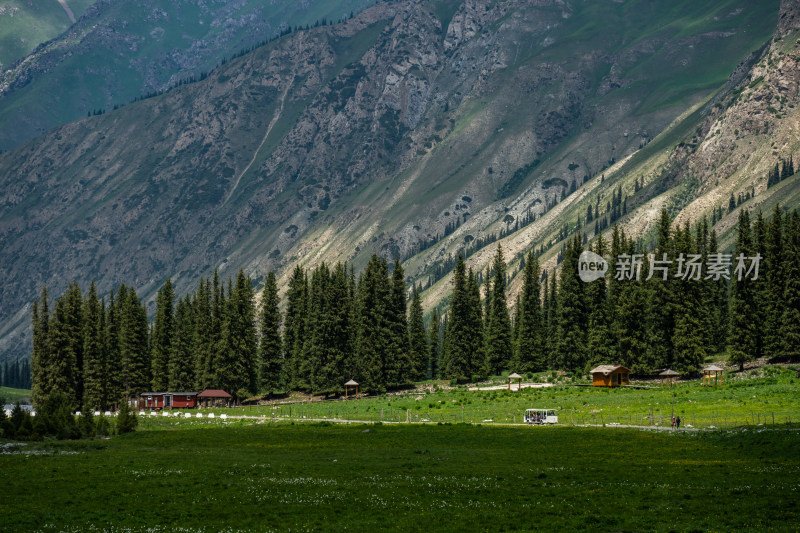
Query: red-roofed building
[214,397]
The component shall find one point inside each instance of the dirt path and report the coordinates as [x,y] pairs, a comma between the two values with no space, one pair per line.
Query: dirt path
[68,10]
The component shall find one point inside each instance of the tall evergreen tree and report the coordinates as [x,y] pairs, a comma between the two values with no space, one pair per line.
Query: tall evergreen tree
[530,354]
[571,311]
[293,331]
[599,341]
[373,334]
[790,322]
[133,343]
[41,357]
[417,337]
[242,339]
[742,335]
[66,334]
[475,328]
[498,325]
[112,384]
[204,336]
[161,339]
[456,355]
[775,283]
[690,336]
[182,364]
[398,362]
[434,336]
[270,349]
[94,357]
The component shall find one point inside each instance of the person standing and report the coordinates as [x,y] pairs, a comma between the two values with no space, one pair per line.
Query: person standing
[678,422]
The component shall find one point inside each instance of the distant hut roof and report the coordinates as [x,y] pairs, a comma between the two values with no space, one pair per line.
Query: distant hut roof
[514,376]
[669,372]
[713,368]
[608,369]
[351,383]
[214,393]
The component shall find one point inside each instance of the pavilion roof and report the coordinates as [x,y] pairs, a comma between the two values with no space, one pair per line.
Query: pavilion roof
[214,393]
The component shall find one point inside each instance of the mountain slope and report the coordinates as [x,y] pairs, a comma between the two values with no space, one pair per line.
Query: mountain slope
[25,25]
[121,50]
[410,121]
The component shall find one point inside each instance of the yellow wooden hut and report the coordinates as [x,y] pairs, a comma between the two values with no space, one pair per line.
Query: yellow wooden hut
[610,376]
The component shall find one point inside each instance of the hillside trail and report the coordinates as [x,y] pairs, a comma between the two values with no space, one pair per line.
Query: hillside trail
[272,122]
[70,14]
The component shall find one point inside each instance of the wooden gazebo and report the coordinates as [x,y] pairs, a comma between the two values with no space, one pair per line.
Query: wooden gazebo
[670,375]
[214,398]
[351,383]
[515,376]
[711,375]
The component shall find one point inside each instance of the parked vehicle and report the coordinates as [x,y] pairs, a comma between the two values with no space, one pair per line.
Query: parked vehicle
[541,416]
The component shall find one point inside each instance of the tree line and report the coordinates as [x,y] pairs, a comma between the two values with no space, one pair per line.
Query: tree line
[336,326]
[16,374]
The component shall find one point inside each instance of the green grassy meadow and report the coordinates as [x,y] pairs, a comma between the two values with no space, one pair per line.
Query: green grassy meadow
[244,476]
[11,395]
[768,395]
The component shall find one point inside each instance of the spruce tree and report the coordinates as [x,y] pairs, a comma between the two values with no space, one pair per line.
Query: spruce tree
[66,330]
[599,341]
[41,362]
[203,342]
[112,384]
[434,354]
[133,343]
[161,340]
[456,355]
[530,356]
[475,328]
[498,325]
[398,362]
[689,335]
[294,324]
[270,349]
[790,323]
[94,367]
[742,336]
[772,270]
[417,338]
[181,358]
[661,301]
[372,331]
[243,343]
[571,311]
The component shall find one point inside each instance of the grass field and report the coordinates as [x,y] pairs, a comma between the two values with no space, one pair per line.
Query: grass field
[767,395]
[9,395]
[281,477]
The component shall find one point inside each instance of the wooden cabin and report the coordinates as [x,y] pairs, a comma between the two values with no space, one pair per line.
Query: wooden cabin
[610,376]
[215,398]
[170,400]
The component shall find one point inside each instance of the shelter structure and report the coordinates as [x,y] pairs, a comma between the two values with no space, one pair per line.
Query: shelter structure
[167,400]
[349,386]
[711,375]
[610,376]
[517,377]
[670,375]
[215,398]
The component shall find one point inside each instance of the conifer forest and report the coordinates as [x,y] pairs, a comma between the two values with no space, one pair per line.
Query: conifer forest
[332,325]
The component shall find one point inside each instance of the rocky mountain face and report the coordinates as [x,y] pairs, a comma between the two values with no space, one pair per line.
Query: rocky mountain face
[415,129]
[121,50]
